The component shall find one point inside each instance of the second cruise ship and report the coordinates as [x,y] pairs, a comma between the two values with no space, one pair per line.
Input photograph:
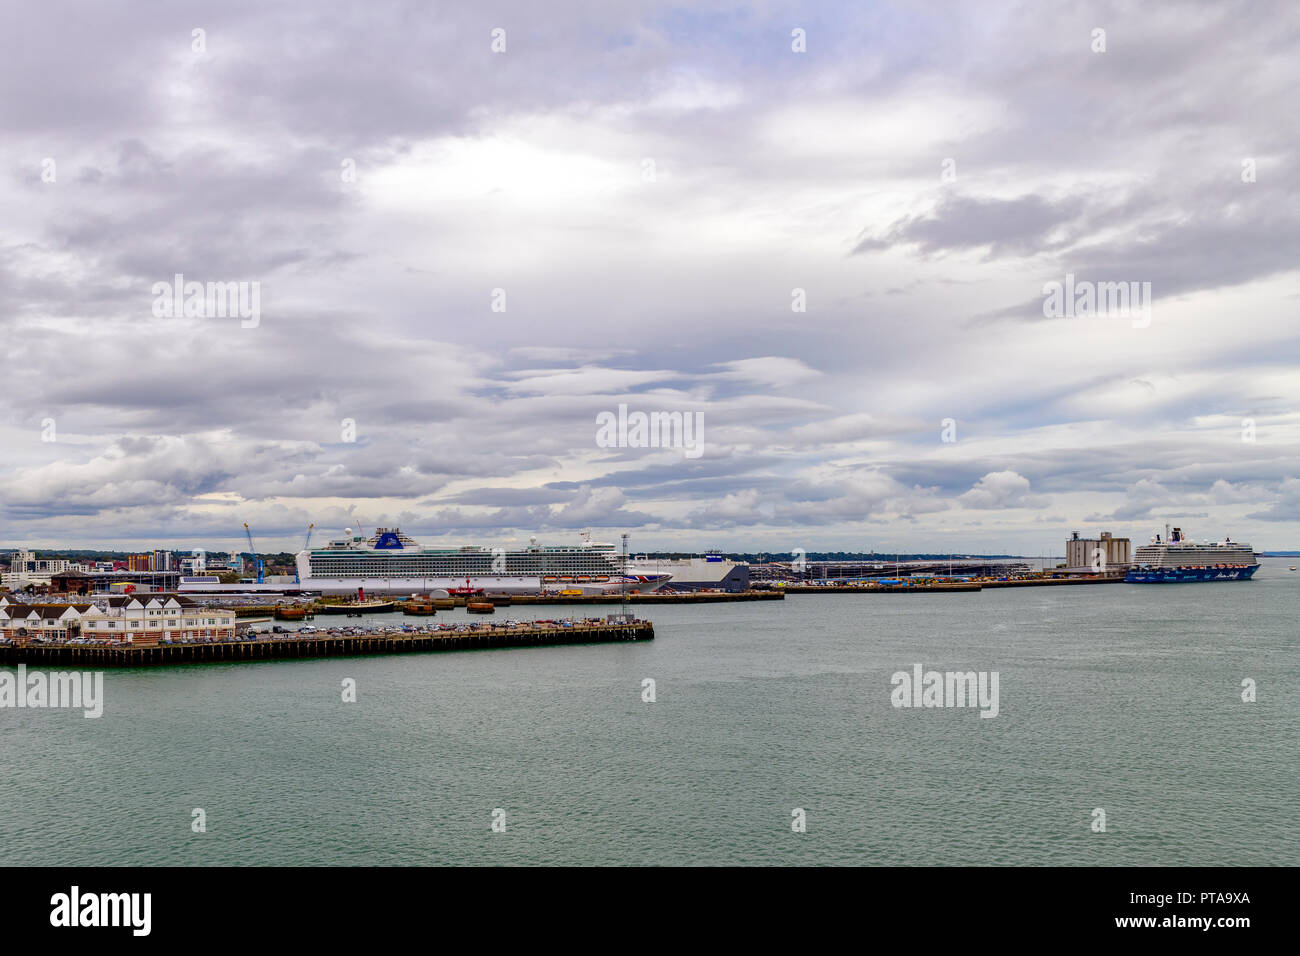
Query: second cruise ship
[389,561]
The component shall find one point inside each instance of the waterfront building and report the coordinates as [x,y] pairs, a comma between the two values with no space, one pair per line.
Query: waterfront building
[135,619]
[58,622]
[25,568]
[80,582]
[1083,553]
[150,618]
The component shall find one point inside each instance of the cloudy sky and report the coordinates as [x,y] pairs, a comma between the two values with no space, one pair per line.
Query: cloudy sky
[465,255]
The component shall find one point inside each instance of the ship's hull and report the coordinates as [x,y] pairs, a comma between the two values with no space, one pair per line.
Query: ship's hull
[492,584]
[370,607]
[1185,575]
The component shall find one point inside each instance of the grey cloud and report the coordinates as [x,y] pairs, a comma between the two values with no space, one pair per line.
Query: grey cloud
[522,171]
[1004,227]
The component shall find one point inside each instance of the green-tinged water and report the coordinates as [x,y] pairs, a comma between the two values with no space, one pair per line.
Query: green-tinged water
[1120,697]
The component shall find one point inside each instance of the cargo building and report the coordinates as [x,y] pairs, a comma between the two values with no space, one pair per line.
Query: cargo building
[1106,553]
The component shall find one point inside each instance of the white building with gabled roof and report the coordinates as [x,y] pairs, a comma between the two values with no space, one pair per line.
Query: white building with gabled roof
[129,619]
[56,622]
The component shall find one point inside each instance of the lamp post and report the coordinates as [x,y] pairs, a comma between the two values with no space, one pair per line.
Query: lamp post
[622,610]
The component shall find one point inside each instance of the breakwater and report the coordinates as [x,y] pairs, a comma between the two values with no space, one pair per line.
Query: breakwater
[282,648]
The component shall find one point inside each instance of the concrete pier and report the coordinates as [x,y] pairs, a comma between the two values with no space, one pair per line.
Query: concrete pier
[94,658]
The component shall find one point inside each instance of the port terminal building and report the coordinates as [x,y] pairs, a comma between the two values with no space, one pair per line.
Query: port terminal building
[95,582]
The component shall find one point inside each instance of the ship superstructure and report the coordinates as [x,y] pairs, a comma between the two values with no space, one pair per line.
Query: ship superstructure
[391,561]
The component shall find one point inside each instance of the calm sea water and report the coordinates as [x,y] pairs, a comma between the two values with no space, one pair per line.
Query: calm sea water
[1125,698]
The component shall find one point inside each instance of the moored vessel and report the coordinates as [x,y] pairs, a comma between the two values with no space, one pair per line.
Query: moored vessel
[358,608]
[389,561]
[1176,559]
[711,571]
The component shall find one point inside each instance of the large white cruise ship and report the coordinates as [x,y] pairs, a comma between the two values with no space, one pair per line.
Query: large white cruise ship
[389,561]
[1178,559]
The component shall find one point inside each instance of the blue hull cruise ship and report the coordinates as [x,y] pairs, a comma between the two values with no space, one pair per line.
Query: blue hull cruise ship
[1177,559]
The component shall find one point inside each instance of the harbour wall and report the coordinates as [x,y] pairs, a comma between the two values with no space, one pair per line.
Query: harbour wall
[479,638]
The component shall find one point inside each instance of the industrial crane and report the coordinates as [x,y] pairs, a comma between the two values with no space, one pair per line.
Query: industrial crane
[306,544]
[252,550]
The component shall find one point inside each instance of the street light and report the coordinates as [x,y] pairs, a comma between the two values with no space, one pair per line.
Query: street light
[622,610]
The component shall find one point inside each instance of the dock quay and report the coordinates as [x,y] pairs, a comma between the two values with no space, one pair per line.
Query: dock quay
[1055,582]
[433,605]
[879,588]
[653,597]
[930,587]
[281,647]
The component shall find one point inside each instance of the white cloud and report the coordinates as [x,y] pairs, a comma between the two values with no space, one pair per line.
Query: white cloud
[525,172]
[1001,489]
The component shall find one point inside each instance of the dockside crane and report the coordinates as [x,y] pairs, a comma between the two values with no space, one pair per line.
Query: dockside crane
[306,545]
[252,550]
